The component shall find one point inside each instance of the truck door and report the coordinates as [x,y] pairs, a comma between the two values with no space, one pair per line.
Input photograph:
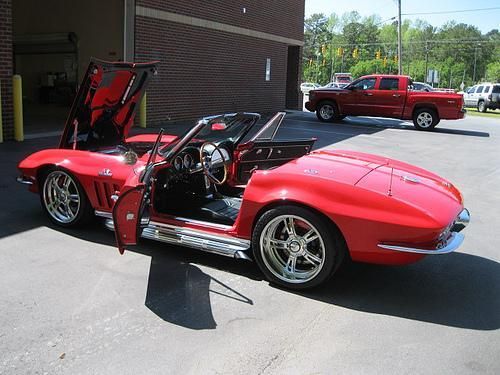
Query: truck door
[360,100]
[389,99]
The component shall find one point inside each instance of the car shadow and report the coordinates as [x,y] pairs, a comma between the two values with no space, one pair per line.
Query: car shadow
[400,124]
[371,125]
[457,290]
[178,291]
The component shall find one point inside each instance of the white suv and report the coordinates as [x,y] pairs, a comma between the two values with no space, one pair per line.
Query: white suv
[483,96]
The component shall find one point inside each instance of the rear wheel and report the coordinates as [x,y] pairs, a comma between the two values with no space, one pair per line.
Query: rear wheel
[327,112]
[296,248]
[425,119]
[64,199]
[481,106]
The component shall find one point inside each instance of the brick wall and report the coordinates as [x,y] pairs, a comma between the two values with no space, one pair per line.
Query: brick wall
[284,17]
[6,67]
[204,71]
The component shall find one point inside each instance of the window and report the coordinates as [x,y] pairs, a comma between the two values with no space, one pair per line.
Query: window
[268,69]
[472,90]
[487,89]
[479,90]
[389,84]
[496,90]
[365,84]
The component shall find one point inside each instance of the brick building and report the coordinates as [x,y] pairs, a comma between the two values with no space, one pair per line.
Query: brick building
[215,56]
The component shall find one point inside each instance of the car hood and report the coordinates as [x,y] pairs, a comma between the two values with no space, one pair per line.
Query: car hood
[105,106]
[381,175]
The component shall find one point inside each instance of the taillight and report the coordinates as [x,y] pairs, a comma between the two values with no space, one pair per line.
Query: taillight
[311,95]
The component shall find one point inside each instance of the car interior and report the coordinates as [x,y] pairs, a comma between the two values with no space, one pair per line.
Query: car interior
[207,178]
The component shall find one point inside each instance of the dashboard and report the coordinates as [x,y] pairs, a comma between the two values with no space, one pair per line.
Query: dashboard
[187,160]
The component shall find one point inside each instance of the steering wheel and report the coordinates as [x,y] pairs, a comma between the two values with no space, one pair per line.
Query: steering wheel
[208,162]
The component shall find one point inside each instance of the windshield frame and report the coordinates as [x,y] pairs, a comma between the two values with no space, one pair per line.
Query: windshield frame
[246,120]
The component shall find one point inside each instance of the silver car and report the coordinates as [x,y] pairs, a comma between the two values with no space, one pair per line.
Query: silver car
[483,96]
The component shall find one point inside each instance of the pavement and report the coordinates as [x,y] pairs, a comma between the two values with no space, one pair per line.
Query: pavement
[70,304]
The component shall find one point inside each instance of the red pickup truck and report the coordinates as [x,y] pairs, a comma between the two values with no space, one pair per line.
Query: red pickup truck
[386,96]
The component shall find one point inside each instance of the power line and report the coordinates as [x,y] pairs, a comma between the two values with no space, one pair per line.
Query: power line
[450,11]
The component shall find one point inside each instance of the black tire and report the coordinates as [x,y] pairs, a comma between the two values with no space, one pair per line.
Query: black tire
[327,111]
[425,119]
[328,249]
[84,211]
[481,106]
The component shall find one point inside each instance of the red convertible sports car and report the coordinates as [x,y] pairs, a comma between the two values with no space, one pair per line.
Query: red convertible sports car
[228,187]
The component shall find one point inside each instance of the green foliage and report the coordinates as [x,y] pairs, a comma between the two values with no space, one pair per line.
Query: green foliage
[424,47]
[493,72]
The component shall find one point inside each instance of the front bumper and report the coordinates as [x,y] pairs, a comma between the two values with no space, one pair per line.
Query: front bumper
[453,242]
[25,180]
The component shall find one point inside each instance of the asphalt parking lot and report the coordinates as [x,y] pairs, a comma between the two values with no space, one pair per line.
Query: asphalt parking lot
[71,304]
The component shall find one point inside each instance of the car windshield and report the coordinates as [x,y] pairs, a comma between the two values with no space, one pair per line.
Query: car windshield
[228,127]
[232,128]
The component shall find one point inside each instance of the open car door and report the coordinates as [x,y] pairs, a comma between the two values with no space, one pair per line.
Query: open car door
[263,152]
[131,210]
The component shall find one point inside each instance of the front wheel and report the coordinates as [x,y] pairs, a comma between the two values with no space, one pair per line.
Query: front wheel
[295,248]
[425,119]
[64,200]
[327,112]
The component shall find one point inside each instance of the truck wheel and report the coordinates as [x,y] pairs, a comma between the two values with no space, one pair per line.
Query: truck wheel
[327,111]
[425,119]
[295,248]
[481,106]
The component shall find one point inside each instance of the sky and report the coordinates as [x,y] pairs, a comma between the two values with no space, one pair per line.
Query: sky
[483,20]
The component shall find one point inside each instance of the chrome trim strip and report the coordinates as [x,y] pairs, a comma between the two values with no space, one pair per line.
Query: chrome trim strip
[452,244]
[107,215]
[219,244]
[23,180]
[200,222]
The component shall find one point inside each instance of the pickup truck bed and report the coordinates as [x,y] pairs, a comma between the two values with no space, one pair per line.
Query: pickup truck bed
[386,96]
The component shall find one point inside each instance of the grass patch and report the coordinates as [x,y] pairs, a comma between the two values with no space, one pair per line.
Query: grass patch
[491,113]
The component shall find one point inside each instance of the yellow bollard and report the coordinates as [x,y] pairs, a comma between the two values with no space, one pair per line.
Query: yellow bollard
[1,124]
[17,99]
[142,113]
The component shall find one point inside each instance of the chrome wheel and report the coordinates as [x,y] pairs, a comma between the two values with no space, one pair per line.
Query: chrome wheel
[326,111]
[292,249]
[425,119]
[61,197]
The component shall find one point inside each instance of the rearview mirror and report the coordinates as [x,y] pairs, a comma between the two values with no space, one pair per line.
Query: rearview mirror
[218,126]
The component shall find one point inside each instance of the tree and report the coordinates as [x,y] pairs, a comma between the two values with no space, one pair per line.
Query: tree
[493,72]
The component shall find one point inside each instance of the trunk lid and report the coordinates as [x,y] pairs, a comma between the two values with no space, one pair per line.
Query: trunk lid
[104,108]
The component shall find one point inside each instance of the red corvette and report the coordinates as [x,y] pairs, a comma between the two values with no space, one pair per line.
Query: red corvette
[228,187]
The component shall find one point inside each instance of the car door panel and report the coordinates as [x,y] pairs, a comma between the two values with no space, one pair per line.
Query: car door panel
[265,155]
[127,212]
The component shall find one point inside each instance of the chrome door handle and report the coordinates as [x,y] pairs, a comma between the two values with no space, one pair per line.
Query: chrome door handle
[368,94]
[396,95]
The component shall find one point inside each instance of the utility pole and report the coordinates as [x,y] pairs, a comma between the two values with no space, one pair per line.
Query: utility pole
[475,60]
[400,49]
[426,60]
